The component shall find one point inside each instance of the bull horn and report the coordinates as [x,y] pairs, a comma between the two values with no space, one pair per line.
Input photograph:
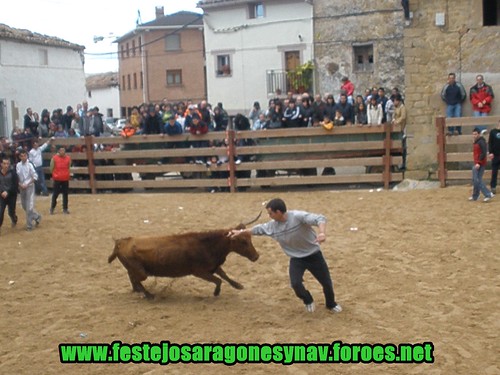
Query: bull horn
[254,220]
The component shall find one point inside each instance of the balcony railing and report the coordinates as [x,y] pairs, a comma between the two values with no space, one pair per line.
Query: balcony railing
[287,81]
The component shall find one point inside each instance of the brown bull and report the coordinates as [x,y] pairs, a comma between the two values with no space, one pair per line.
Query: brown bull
[198,254]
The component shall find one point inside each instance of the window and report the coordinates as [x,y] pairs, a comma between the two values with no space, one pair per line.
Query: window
[363,58]
[140,44]
[256,10]
[135,81]
[491,12]
[173,42]
[123,83]
[128,81]
[142,80]
[223,65]
[123,51]
[43,57]
[133,48]
[128,51]
[174,77]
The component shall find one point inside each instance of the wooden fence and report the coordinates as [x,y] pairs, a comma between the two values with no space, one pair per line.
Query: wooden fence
[279,157]
[455,151]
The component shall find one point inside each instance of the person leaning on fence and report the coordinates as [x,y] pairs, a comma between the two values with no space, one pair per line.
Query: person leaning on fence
[453,94]
[480,158]
[294,232]
[399,120]
[494,155]
[374,112]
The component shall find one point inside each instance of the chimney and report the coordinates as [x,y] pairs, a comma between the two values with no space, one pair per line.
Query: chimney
[159,12]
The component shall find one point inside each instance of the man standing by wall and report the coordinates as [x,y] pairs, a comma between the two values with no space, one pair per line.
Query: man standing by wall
[399,119]
[481,96]
[60,166]
[453,94]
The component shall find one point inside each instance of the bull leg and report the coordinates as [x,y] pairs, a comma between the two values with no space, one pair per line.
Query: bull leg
[213,279]
[219,271]
[138,287]
[136,274]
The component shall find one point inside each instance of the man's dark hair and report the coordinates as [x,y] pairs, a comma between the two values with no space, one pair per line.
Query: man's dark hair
[22,151]
[276,204]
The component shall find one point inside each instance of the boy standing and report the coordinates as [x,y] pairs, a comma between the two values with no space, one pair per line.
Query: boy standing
[60,166]
[27,176]
[479,153]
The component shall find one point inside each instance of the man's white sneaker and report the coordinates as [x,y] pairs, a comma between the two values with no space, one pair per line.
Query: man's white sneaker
[336,309]
[487,199]
[310,308]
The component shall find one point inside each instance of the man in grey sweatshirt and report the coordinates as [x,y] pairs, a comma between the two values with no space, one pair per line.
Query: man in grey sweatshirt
[293,231]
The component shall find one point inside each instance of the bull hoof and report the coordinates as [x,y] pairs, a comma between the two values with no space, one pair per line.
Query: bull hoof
[149,296]
[217,291]
[237,286]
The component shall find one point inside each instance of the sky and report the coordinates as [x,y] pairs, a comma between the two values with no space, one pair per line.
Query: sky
[80,21]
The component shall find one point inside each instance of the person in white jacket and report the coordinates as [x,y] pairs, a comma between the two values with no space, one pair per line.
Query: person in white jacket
[35,156]
[374,112]
[27,176]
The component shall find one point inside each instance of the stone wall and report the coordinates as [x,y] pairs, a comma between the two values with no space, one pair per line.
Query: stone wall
[340,24]
[415,56]
[462,46]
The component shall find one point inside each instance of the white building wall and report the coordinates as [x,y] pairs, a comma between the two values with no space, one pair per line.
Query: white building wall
[39,77]
[255,46]
[106,98]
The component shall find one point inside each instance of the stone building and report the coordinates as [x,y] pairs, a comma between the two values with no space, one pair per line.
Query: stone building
[377,44]
[461,36]
[162,59]
[359,39]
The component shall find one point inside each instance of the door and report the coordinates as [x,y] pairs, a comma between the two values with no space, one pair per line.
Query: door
[4,132]
[292,61]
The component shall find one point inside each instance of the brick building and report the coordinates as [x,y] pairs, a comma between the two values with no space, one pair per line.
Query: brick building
[162,59]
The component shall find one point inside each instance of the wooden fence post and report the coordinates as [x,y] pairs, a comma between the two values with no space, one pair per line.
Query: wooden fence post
[441,143]
[231,135]
[387,158]
[89,143]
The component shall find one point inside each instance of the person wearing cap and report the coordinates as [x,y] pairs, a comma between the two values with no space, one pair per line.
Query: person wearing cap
[294,232]
[480,158]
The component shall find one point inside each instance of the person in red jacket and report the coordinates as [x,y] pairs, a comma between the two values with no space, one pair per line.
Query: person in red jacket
[481,97]
[60,166]
[480,159]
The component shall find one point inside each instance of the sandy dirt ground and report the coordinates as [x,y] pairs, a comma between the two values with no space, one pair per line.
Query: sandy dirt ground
[422,266]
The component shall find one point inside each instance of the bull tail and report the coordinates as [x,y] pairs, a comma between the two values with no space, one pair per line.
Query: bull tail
[114,254]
